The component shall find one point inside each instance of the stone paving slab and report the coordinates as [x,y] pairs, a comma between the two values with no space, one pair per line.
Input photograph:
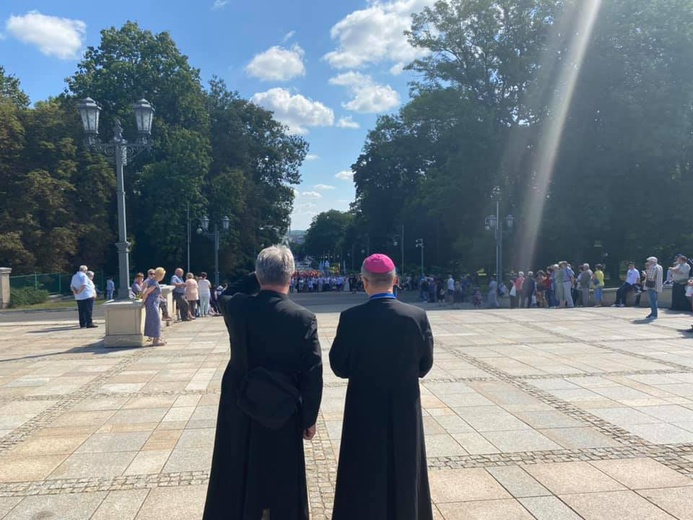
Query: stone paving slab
[581,413]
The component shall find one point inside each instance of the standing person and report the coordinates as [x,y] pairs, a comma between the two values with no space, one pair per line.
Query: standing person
[150,298]
[654,279]
[192,295]
[110,288]
[179,295]
[136,287]
[541,289]
[519,283]
[632,278]
[598,284]
[529,286]
[451,289]
[680,272]
[91,290]
[383,347]
[584,280]
[205,290]
[83,296]
[492,301]
[270,397]
[564,285]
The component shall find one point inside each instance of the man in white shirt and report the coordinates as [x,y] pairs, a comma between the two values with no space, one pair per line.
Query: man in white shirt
[451,289]
[653,284]
[84,296]
[632,278]
[680,273]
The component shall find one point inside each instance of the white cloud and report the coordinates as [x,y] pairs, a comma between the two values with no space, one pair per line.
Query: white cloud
[347,122]
[345,175]
[323,187]
[312,157]
[288,36]
[307,205]
[277,64]
[295,111]
[311,195]
[219,4]
[367,95]
[376,35]
[54,36]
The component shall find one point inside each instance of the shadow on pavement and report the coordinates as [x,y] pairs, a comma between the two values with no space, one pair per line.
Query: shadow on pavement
[95,348]
[54,329]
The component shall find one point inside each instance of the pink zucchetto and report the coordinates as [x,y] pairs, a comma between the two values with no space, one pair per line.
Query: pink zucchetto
[379,264]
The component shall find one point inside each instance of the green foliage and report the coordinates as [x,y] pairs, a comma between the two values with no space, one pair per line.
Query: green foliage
[212,151]
[27,296]
[10,89]
[485,109]
[327,232]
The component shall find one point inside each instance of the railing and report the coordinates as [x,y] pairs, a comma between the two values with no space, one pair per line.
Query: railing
[54,283]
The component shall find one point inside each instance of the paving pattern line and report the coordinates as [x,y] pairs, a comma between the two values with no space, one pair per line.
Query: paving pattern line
[67,402]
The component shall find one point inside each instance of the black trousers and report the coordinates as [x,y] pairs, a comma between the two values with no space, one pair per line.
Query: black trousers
[622,292]
[85,309]
[679,302]
[182,305]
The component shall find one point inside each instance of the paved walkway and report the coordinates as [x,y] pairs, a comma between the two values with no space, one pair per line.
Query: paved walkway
[557,414]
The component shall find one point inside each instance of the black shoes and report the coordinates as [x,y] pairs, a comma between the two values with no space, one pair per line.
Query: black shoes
[92,326]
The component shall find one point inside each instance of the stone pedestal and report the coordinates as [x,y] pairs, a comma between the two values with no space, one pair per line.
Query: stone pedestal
[124,324]
[167,293]
[5,287]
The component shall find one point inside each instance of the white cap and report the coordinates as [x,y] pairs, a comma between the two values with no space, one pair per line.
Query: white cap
[653,259]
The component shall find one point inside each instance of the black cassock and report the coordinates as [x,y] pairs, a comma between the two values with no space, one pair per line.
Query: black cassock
[383,347]
[254,467]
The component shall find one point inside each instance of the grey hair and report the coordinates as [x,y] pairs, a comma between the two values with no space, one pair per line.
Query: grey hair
[83,268]
[275,266]
[90,274]
[378,279]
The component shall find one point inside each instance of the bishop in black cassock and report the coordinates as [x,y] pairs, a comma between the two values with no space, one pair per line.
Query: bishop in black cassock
[258,471]
[383,347]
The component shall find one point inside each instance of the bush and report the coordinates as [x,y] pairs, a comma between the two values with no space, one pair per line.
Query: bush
[27,296]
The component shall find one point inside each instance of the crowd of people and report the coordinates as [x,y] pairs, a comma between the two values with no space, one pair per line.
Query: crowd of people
[563,286]
[195,297]
[315,281]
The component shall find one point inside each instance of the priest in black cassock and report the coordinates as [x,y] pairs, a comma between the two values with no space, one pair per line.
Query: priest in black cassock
[383,347]
[270,396]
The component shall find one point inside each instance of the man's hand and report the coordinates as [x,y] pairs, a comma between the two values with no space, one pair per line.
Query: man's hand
[309,433]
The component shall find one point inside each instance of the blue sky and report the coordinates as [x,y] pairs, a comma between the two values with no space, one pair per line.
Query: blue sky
[326,68]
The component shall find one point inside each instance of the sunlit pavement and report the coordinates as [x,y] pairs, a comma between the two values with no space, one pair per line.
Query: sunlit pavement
[550,414]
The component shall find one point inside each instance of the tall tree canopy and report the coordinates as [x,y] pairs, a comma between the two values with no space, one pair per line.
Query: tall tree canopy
[212,152]
[605,156]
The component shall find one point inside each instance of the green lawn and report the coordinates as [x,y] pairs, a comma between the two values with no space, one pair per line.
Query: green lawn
[52,305]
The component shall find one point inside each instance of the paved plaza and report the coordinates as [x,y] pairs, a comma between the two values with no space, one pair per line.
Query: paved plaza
[548,414]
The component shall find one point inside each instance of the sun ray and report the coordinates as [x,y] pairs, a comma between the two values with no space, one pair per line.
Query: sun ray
[581,26]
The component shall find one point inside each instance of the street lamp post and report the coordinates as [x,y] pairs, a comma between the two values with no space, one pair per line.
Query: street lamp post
[119,149]
[420,244]
[493,223]
[400,239]
[214,236]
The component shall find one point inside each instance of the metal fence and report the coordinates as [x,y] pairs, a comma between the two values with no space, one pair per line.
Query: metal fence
[54,283]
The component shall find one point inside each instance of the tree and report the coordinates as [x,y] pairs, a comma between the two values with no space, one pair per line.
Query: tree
[327,232]
[487,109]
[10,88]
[128,64]
[254,163]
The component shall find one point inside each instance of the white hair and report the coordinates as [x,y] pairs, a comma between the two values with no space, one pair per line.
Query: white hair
[275,266]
